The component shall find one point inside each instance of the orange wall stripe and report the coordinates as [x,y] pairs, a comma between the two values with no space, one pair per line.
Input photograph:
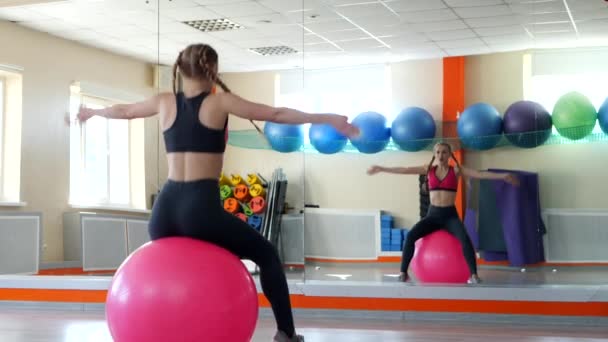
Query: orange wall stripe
[442,305]
[52,295]
[353,303]
[453,103]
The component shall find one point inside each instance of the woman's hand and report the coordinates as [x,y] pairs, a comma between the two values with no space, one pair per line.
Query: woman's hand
[341,124]
[374,169]
[511,179]
[85,114]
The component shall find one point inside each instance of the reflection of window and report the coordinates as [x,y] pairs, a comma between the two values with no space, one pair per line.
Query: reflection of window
[549,74]
[346,91]
[547,89]
[2,104]
[99,157]
[107,163]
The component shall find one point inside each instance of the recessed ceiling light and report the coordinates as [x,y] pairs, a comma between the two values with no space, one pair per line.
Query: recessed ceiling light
[274,50]
[213,25]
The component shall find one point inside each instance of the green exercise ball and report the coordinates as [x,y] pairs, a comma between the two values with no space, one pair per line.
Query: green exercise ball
[574,116]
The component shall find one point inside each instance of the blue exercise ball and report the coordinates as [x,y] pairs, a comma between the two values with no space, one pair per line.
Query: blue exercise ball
[374,133]
[413,129]
[284,137]
[527,124]
[602,116]
[326,139]
[479,127]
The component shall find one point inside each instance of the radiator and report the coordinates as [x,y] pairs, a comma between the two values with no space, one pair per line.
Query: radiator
[20,241]
[576,235]
[342,234]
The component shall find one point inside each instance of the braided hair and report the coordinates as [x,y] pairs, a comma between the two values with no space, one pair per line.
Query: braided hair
[199,61]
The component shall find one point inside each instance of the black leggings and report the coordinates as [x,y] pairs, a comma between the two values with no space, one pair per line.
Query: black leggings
[439,218]
[193,209]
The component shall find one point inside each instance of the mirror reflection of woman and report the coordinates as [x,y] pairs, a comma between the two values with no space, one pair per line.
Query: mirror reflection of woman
[442,183]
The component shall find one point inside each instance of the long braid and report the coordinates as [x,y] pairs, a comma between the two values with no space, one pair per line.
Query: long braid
[428,170]
[177,61]
[213,77]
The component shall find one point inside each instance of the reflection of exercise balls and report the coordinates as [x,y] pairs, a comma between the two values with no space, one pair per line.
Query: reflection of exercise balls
[181,289]
[326,139]
[438,258]
[574,116]
[479,127]
[284,137]
[602,116]
[413,129]
[374,133]
[527,124]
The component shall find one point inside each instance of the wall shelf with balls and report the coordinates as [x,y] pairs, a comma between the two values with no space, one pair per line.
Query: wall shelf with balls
[525,124]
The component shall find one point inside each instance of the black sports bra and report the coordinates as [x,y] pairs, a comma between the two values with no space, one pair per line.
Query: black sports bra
[188,134]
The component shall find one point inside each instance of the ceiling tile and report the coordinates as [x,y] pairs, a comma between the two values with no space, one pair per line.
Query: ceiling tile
[173,4]
[471,3]
[312,15]
[124,31]
[400,44]
[482,11]
[538,7]
[453,34]
[241,34]
[219,2]
[545,18]
[438,26]
[428,16]
[363,10]
[505,20]
[468,51]
[359,44]
[284,5]
[322,47]
[21,14]
[460,43]
[240,9]
[579,5]
[415,5]
[50,25]
[600,25]
[507,39]
[499,30]
[344,35]
[328,26]
[313,39]
[261,20]
[378,21]
[190,13]
[590,14]
[548,28]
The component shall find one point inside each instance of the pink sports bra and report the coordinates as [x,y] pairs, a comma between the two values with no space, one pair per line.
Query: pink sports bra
[448,183]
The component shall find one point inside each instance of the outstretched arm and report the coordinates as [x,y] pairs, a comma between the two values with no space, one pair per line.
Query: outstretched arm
[141,109]
[507,177]
[231,103]
[413,170]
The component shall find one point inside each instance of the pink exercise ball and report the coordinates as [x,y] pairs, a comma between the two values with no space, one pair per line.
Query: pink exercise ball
[438,258]
[181,289]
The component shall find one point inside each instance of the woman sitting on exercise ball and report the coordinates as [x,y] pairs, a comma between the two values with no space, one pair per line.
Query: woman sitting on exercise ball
[442,183]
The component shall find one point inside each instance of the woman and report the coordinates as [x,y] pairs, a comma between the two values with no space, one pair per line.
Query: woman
[442,183]
[194,126]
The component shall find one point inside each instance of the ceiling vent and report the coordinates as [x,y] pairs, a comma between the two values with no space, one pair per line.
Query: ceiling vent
[213,25]
[274,50]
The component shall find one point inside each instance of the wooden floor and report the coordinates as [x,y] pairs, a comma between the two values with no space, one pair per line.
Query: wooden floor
[21,325]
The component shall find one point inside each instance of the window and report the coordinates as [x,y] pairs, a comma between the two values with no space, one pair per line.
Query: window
[2,104]
[346,91]
[547,89]
[100,160]
[549,74]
